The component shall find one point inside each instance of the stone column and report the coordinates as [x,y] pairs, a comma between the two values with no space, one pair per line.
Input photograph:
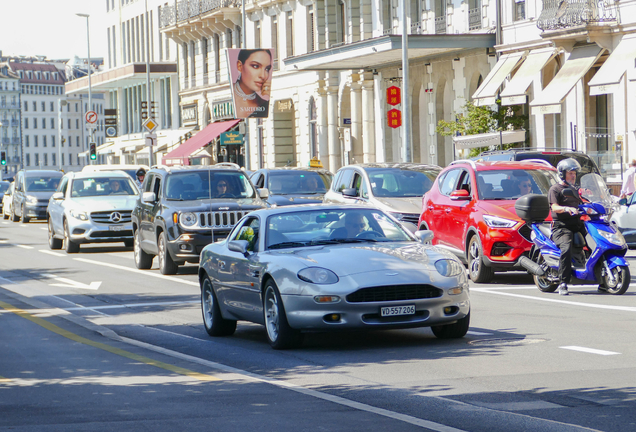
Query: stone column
[368,133]
[332,122]
[321,123]
[356,119]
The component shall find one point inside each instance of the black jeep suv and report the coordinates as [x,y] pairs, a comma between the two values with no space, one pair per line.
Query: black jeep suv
[183,209]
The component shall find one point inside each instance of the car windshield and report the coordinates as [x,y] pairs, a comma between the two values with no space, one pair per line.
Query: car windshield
[509,184]
[42,184]
[326,227]
[3,187]
[399,183]
[298,182]
[103,186]
[195,185]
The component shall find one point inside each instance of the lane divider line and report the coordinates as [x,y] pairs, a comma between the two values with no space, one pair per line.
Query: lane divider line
[141,272]
[132,305]
[3,379]
[48,252]
[590,350]
[117,351]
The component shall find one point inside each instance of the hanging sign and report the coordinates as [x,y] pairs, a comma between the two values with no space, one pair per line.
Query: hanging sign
[393,95]
[395,118]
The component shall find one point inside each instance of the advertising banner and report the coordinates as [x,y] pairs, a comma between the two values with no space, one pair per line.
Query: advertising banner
[251,81]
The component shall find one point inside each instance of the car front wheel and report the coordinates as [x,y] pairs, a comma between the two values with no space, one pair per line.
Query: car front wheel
[213,321]
[279,333]
[69,245]
[453,331]
[25,219]
[479,272]
[166,265]
[54,243]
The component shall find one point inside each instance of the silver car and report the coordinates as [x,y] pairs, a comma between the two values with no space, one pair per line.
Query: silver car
[324,267]
[91,207]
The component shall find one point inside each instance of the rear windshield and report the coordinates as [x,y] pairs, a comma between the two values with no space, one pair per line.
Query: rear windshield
[507,184]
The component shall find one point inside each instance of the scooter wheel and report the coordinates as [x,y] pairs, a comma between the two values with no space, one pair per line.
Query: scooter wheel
[544,283]
[621,281]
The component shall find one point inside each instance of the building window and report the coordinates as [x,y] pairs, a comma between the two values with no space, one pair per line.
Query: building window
[76,141]
[26,143]
[35,106]
[257,34]
[313,131]
[275,40]
[217,58]
[204,52]
[28,159]
[62,161]
[37,159]
[520,10]
[52,107]
[70,159]
[53,159]
[35,141]
[341,22]
[52,123]
[43,107]
[43,123]
[228,38]
[52,140]
[69,123]
[289,29]
[43,140]
[46,159]
[26,106]
[77,124]
[26,123]
[311,32]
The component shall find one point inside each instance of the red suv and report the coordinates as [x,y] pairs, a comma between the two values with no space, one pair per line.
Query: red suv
[470,208]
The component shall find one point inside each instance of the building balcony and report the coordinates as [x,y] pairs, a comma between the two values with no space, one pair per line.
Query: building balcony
[15,140]
[6,140]
[15,123]
[416,28]
[185,10]
[440,25]
[562,14]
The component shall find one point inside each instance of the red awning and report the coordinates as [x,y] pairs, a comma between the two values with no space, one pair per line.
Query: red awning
[181,154]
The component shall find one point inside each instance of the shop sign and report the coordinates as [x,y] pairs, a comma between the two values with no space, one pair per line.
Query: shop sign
[189,115]
[233,137]
[395,118]
[393,95]
[283,106]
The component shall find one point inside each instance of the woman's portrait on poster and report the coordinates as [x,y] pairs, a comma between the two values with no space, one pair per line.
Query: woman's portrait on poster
[251,73]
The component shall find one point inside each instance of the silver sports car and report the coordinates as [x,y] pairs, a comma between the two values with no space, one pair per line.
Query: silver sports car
[327,267]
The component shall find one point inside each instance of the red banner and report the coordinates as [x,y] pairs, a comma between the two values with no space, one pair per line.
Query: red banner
[393,95]
[395,118]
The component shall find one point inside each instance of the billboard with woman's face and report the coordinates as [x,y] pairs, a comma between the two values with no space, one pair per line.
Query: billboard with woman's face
[251,78]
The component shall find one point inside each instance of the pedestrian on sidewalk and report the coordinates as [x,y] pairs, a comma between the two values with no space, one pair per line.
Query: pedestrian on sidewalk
[629,180]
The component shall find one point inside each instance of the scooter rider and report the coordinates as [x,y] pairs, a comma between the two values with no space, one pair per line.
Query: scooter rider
[565,219]
[141,174]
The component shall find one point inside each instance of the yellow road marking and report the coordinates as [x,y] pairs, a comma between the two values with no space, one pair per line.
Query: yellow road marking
[3,379]
[72,336]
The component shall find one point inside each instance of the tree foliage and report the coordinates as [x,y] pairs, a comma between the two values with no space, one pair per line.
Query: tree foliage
[483,119]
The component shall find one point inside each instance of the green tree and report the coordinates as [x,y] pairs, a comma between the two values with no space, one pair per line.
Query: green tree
[483,119]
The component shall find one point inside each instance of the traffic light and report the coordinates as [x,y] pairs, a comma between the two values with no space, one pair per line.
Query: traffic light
[3,158]
[92,151]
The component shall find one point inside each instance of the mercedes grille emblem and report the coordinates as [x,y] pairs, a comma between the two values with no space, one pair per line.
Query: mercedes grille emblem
[115,217]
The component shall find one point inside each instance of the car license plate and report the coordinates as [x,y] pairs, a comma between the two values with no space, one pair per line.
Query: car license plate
[116,228]
[397,310]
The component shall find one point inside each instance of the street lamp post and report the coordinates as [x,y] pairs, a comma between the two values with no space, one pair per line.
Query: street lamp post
[61,103]
[90,94]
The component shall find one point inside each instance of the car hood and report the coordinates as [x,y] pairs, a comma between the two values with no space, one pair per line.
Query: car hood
[504,209]
[400,205]
[394,257]
[294,199]
[103,203]
[217,204]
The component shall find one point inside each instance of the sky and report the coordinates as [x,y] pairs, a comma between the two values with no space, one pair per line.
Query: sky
[51,28]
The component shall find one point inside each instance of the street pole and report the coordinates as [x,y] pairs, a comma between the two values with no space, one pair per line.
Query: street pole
[151,154]
[247,123]
[406,109]
[90,94]
[60,104]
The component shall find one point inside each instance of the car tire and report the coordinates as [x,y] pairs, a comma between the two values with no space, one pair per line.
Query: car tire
[129,243]
[69,245]
[54,243]
[279,334]
[478,271]
[14,218]
[24,219]
[166,265]
[143,260]
[5,216]
[453,331]
[213,321]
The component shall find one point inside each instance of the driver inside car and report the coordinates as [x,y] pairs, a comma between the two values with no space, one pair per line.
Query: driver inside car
[355,223]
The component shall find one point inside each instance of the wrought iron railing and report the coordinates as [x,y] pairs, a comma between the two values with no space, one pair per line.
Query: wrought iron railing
[474,19]
[186,9]
[558,14]
[440,25]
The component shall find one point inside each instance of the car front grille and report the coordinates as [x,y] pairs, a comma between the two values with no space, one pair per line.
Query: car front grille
[220,219]
[526,232]
[413,218]
[107,217]
[390,293]
[112,234]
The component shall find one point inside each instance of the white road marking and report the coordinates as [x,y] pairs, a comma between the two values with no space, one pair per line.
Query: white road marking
[149,273]
[73,284]
[48,252]
[476,333]
[24,246]
[589,350]
[553,300]
[131,305]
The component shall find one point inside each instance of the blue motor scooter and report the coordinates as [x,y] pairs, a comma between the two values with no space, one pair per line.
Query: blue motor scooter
[602,262]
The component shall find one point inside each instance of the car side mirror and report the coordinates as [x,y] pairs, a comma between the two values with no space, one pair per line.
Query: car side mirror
[350,192]
[263,193]
[57,196]
[424,236]
[148,198]
[460,195]
[239,246]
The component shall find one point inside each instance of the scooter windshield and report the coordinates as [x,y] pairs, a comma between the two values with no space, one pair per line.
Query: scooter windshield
[594,189]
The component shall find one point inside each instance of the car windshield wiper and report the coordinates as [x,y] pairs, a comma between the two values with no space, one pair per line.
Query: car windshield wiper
[175,199]
[288,244]
[324,242]
[355,240]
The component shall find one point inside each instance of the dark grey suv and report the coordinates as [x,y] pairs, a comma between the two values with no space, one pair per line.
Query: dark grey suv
[183,209]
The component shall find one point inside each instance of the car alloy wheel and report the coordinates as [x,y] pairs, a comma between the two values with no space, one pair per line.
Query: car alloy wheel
[54,243]
[479,272]
[213,321]
[279,333]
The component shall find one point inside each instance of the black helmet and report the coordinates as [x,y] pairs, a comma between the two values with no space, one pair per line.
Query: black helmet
[567,165]
[142,172]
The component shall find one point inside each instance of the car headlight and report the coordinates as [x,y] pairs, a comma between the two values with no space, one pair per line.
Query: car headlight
[317,275]
[188,219]
[498,222]
[30,199]
[79,215]
[613,237]
[449,267]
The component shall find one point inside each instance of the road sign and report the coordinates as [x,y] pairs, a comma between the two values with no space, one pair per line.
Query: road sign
[151,139]
[111,131]
[91,117]
[150,124]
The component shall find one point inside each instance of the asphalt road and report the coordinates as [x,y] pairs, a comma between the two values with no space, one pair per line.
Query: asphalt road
[88,342]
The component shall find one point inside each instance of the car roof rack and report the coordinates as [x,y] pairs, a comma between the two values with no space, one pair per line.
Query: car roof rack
[541,161]
[468,161]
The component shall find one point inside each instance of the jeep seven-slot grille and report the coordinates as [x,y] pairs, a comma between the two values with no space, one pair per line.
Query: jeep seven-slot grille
[220,219]
[106,217]
[394,293]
